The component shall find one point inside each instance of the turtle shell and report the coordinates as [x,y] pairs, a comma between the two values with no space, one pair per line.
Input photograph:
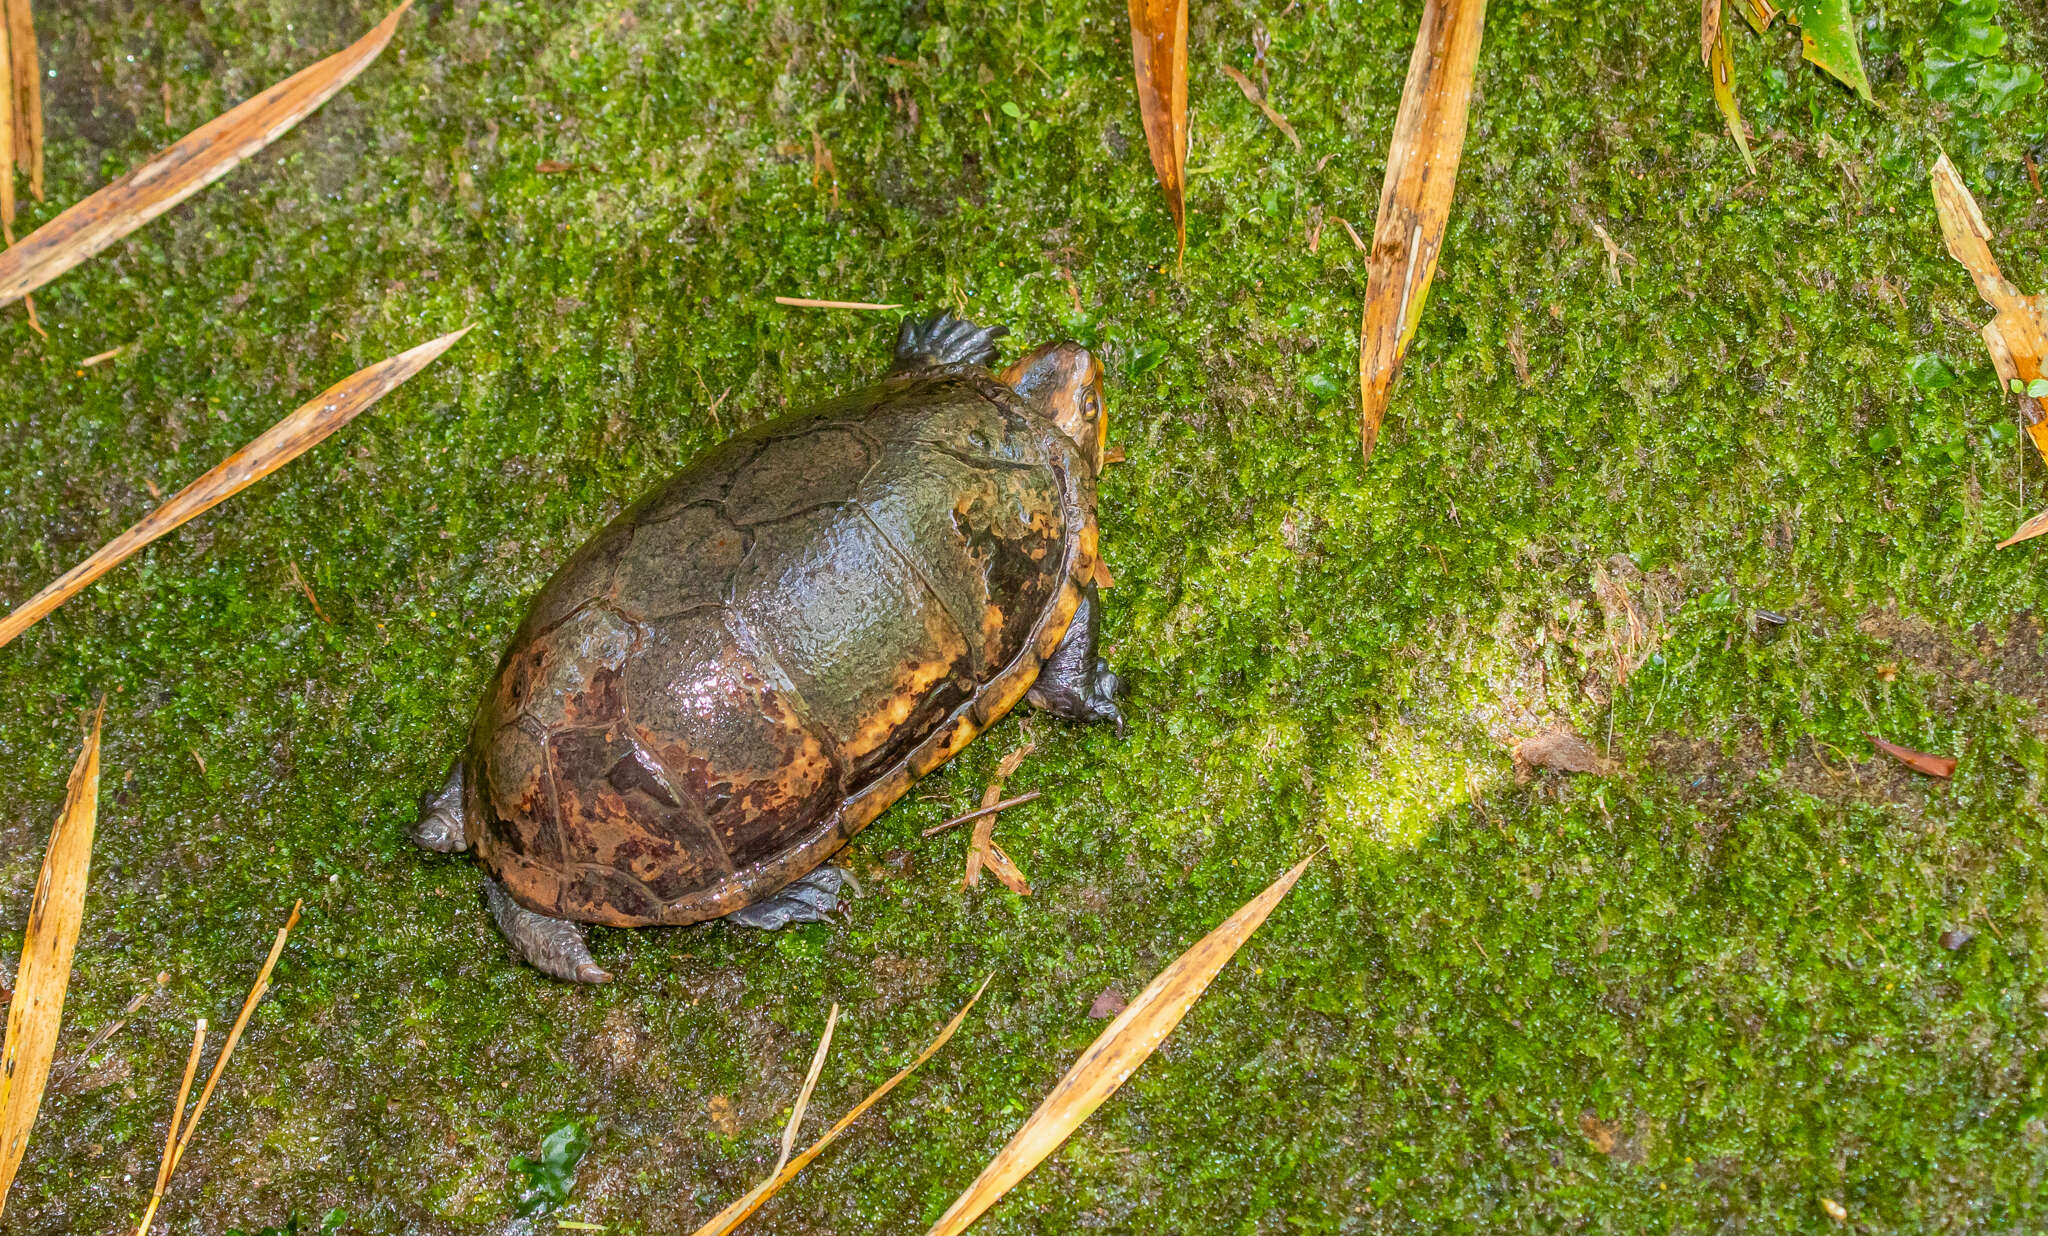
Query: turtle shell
[761,655]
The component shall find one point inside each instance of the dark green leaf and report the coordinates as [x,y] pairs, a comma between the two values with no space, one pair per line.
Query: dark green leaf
[550,1177]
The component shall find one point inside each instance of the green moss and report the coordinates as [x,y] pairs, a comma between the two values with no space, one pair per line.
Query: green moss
[1728,952]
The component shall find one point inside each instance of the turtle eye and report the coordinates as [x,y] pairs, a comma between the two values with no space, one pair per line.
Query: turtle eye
[1091,406]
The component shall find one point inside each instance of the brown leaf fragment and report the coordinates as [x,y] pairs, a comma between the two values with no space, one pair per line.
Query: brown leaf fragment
[1834,1209]
[55,911]
[183,168]
[1919,761]
[1710,29]
[1599,1132]
[1159,59]
[1114,455]
[1108,1004]
[553,167]
[984,834]
[1010,763]
[2017,334]
[1006,869]
[1259,100]
[28,94]
[1116,1053]
[1559,748]
[1415,200]
[1518,351]
[277,446]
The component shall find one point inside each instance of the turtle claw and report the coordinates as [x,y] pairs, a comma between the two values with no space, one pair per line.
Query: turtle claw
[810,898]
[945,340]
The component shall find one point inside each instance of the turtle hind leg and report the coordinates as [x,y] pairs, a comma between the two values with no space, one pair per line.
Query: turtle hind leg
[1076,683]
[440,826]
[924,343]
[809,898]
[553,946]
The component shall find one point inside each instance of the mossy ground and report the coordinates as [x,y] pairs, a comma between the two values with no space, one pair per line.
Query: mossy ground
[1721,963]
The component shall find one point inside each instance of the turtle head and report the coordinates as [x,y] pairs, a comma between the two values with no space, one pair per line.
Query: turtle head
[1064,380]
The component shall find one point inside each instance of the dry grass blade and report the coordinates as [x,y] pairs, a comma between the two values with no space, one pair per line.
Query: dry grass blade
[1159,56]
[274,448]
[1258,100]
[186,166]
[803,1097]
[2017,334]
[176,1154]
[163,1168]
[1415,201]
[804,302]
[2027,531]
[737,1213]
[1114,1056]
[28,93]
[54,912]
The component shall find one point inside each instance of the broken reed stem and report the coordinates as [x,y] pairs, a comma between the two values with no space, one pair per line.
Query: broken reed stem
[803,1097]
[163,1169]
[277,446]
[803,302]
[978,812]
[183,168]
[227,1050]
[732,1216]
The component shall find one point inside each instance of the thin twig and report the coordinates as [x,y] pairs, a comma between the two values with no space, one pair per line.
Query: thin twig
[978,812]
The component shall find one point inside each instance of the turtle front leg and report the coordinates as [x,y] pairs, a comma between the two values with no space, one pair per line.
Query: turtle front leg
[553,946]
[440,826]
[1076,682]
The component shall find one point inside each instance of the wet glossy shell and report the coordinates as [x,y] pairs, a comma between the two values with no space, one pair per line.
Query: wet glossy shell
[755,660]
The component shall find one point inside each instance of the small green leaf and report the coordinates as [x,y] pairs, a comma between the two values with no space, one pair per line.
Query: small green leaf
[1828,34]
[1929,372]
[2038,388]
[1013,111]
[1883,438]
[2002,85]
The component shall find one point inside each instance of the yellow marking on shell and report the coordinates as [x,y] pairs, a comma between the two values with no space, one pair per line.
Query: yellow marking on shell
[908,690]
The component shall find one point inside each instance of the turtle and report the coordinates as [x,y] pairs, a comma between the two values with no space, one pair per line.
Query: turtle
[759,656]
